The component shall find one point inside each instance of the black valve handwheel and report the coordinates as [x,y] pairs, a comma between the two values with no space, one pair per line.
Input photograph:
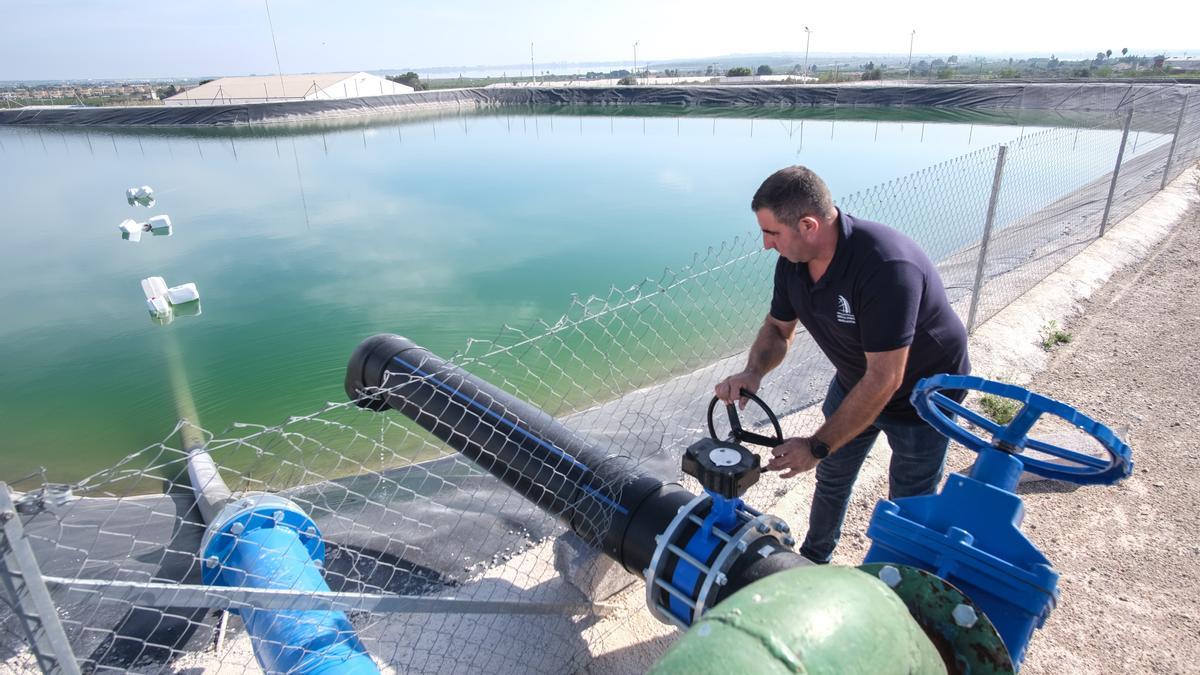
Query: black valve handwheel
[736,432]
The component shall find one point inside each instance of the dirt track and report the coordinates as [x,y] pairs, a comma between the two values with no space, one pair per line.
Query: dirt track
[1129,555]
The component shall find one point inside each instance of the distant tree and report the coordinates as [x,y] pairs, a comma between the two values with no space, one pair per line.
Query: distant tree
[166,91]
[872,73]
[764,70]
[740,71]
[1159,61]
[626,81]
[410,79]
[1099,58]
[204,82]
[953,60]
[1124,51]
[1108,53]
[708,70]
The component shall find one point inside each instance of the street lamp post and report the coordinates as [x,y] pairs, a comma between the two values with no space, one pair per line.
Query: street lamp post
[911,37]
[532,71]
[807,38]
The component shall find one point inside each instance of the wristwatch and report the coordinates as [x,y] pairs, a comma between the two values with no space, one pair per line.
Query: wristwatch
[818,448]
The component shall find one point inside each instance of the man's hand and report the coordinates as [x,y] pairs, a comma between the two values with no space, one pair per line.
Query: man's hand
[793,456]
[730,389]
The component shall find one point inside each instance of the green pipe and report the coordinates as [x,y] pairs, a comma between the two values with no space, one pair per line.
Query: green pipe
[821,619]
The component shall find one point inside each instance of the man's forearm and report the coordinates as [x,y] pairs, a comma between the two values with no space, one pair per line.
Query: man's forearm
[857,411]
[768,350]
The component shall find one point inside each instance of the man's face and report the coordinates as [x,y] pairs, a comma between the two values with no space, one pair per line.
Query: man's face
[790,242]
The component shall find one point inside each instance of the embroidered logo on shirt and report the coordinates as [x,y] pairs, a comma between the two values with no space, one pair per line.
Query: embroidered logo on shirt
[844,315]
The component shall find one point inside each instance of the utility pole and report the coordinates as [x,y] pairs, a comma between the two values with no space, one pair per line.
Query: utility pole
[910,46]
[807,38]
[532,71]
[635,44]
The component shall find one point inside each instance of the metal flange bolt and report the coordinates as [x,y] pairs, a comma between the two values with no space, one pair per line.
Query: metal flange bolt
[964,615]
[891,576]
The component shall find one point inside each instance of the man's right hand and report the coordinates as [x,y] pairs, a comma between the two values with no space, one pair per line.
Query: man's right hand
[730,389]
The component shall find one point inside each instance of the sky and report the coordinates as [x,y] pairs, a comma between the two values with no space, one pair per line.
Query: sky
[79,39]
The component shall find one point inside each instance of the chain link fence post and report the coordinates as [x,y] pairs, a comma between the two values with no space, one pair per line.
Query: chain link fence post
[1112,187]
[1175,141]
[27,594]
[987,235]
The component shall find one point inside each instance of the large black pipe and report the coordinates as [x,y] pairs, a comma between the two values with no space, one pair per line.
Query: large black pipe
[603,497]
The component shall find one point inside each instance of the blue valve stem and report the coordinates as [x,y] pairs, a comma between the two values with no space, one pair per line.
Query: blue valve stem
[997,468]
[724,511]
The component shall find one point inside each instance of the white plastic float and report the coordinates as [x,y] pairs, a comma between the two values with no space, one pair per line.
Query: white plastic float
[164,302]
[158,226]
[142,196]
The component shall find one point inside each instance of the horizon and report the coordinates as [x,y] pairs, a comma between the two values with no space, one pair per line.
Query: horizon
[64,40]
[724,59]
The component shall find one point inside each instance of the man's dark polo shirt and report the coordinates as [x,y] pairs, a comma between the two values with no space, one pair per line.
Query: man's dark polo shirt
[880,293]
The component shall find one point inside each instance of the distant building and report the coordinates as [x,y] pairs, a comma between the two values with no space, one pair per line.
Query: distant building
[275,88]
[1183,62]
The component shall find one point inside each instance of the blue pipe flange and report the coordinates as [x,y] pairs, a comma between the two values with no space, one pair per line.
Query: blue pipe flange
[686,547]
[250,512]
[935,408]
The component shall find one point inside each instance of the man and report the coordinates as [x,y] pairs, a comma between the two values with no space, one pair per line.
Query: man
[875,305]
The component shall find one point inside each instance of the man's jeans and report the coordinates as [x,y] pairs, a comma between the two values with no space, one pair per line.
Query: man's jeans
[918,459]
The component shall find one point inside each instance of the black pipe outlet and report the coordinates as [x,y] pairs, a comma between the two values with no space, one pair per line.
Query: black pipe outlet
[602,497]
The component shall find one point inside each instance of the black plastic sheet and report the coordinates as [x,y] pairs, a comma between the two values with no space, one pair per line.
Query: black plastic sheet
[1065,96]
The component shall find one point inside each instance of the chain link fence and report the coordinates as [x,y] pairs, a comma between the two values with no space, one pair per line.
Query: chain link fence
[437,563]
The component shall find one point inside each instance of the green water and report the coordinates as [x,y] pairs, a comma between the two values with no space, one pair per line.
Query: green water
[305,242]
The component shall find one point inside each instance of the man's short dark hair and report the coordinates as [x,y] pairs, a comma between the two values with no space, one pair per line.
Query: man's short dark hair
[793,193]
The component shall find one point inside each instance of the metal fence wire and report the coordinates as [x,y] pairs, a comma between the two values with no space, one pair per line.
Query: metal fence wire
[440,566]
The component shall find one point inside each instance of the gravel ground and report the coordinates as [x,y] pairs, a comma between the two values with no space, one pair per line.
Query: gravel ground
[1128,554]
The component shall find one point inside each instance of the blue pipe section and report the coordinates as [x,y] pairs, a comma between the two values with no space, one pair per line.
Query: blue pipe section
[268,542]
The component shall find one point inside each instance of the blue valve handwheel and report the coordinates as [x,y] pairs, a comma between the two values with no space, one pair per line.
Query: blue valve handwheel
[933,407]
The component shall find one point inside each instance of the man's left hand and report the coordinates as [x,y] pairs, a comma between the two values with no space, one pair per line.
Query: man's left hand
[793,456]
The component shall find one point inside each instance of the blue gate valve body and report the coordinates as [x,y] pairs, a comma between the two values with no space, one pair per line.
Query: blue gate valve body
[969,534]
